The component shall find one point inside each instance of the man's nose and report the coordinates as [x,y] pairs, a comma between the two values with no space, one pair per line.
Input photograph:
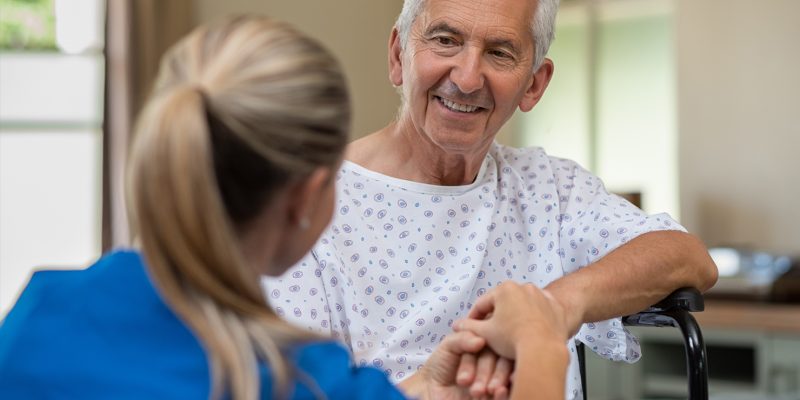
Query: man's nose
[467,74]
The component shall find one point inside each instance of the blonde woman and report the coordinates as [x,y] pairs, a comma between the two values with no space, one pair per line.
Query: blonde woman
[232,177]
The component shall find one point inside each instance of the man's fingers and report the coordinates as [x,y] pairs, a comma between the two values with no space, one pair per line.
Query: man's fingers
[485,370]
[466,341]
[466,370]
[500,378]
[501,394]
[442,366]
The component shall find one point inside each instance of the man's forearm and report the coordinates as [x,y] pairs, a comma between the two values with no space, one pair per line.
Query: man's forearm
[634,276]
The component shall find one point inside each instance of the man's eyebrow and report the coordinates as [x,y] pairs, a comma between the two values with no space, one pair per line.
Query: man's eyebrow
[442,27]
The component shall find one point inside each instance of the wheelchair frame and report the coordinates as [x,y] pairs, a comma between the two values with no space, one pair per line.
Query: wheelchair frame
[673,311]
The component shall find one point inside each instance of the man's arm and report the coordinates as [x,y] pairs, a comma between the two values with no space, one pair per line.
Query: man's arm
[634,276]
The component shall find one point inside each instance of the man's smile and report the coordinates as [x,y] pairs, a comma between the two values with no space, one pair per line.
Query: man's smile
[458,107]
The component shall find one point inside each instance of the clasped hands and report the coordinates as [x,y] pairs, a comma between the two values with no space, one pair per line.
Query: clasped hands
[506,324]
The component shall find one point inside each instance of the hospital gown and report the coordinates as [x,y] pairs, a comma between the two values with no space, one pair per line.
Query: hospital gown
[402,260]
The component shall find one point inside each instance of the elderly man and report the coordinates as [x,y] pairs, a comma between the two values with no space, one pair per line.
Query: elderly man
[432,212]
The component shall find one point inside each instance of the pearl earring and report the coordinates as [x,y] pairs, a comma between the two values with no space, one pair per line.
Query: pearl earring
[304,223]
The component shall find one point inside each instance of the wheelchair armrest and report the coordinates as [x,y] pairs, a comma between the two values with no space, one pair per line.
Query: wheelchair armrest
[683,300]
[689,299]
[675,310]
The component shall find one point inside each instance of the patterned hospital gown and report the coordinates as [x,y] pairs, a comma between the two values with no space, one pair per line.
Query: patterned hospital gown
[402,260]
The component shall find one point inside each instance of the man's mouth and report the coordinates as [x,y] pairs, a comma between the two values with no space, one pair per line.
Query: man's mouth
[457,107]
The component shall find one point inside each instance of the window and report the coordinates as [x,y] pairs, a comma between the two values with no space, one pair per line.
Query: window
[51,112]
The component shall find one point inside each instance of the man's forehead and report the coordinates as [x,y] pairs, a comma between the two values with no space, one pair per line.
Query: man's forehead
[503,19]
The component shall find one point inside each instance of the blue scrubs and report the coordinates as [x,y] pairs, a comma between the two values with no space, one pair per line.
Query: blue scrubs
[104,333]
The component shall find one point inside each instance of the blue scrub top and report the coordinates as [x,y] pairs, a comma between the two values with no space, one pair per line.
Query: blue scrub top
[104,333]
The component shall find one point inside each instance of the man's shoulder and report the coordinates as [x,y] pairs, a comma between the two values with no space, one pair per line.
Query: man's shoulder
[368,151]
[530,158]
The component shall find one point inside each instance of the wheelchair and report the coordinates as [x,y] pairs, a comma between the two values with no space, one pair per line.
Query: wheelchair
[673,311]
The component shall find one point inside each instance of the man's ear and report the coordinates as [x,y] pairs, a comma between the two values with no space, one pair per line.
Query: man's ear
[306,194]
[541,78]
[395,59]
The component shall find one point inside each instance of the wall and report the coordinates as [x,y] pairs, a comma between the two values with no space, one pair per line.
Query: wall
[357,31]
[739,121]
[737,102]
[611,103]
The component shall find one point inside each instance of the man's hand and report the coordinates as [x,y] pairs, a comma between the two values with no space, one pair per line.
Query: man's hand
[485,374]
[526,324]
[437,378]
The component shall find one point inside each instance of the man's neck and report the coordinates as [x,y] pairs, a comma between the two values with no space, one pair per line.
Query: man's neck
[403,154]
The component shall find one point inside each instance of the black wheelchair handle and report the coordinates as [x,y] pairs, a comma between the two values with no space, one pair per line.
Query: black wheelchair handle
[688,298]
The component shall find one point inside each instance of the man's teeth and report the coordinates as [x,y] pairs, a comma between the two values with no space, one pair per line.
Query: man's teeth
[458,107]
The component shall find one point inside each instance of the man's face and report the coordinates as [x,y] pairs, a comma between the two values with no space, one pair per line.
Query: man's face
[466,67]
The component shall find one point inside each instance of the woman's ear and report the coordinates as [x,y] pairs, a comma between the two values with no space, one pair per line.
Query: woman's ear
[395,59]
[306,194]
[305,209]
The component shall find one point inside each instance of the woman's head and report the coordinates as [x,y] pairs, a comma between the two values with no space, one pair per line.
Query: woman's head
[239,140]
[248,106]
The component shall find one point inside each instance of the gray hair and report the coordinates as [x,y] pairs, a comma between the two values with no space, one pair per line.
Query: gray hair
[542,26]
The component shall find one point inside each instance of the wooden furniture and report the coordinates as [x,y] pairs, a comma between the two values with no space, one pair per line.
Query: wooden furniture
[762,317]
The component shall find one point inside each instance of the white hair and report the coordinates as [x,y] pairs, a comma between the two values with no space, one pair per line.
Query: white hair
[542,26]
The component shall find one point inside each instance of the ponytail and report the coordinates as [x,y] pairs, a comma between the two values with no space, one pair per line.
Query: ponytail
[186,237]
[239,109]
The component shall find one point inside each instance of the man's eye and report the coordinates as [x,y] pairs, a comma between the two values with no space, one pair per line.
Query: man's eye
[501,55]
[445,41]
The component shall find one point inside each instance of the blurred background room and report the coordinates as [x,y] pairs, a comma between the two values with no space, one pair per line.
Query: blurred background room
[691,107]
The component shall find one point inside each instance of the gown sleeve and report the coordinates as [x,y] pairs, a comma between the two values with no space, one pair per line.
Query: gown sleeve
[594,222]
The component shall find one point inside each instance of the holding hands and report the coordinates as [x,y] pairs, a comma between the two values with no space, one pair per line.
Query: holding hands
[515,327]
[515,315]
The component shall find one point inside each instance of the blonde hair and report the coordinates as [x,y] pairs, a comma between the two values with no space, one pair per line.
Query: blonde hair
[239,109]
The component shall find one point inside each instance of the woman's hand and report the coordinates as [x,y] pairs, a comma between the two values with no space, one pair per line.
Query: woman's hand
[486,374]
[514,314]
[525,324]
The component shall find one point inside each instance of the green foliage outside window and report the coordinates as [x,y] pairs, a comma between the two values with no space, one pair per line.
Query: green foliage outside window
[27,25]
